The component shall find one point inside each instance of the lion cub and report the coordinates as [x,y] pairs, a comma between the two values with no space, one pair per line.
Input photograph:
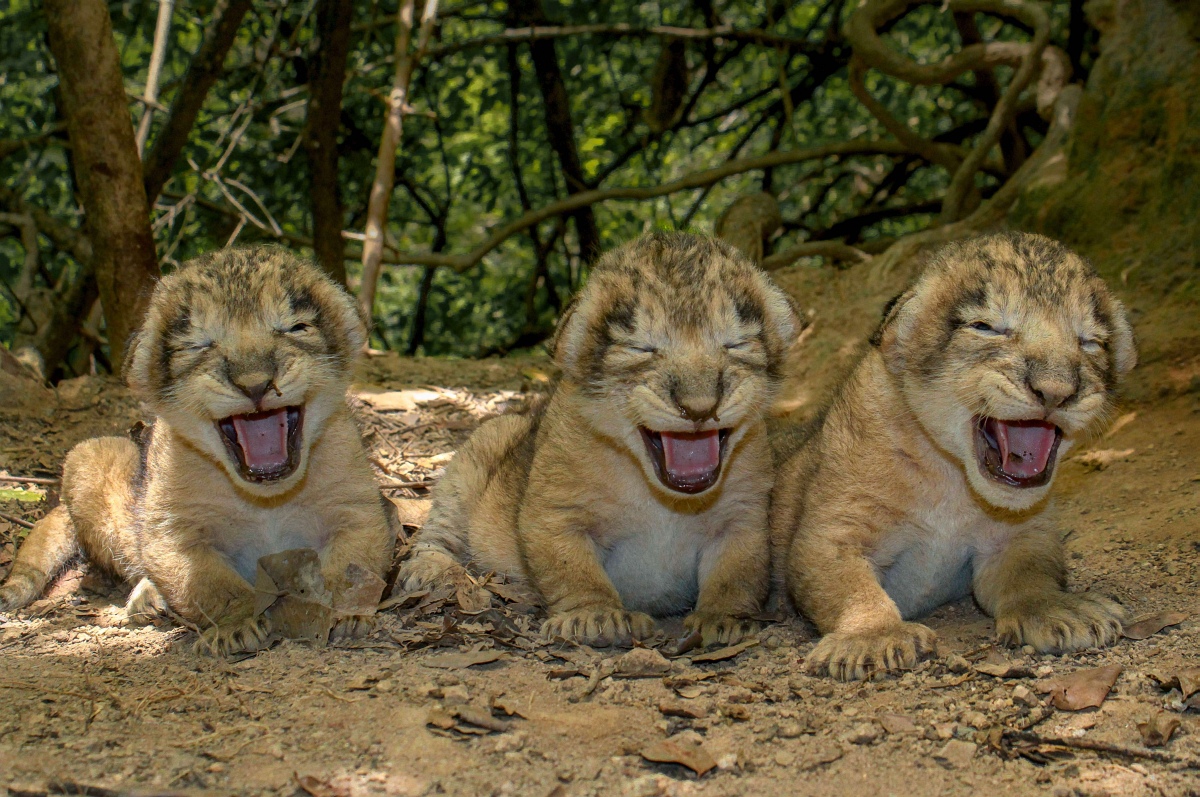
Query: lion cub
[927,477]
[641,486]
[243,360]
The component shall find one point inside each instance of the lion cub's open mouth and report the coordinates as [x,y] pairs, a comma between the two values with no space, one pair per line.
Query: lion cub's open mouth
[1017,453]
[265,445]
[686,462]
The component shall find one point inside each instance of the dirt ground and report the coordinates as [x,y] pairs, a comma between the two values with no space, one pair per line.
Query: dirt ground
[441,702]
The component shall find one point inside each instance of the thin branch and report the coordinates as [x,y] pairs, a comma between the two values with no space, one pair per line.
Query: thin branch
[834,250]
[381,189]
[532,33]
[991,211]
[202,73]
[862,31]
[700,179]
[158,54]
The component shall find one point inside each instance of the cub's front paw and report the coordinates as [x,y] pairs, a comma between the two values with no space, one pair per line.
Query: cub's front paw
[1061,622]
[145,605]
[859,655]
[720,629]
[599,627]
[21,589]
[232,635]
[358,625]
[434,570]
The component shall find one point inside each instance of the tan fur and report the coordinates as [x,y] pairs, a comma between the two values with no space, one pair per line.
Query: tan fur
[566,497]
[884,511]
[176,517]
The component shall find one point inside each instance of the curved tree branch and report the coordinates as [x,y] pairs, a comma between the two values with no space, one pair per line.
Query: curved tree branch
[696,180]
[862,31]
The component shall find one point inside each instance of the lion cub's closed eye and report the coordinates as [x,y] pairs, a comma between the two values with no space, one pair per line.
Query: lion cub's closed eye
[927,477]
[640,487]
[243,361]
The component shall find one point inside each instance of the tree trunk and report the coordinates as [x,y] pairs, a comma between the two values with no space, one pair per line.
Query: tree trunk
[326,77]
[202,73]
[107,167]
[560,129]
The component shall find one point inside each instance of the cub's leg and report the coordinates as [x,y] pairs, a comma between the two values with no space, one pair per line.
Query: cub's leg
[835,585]
[95,515]
[49,545]
[482,485]
[584,605]
[197,582]
[366,540]
[734,578]
[145,603]
[1023,585]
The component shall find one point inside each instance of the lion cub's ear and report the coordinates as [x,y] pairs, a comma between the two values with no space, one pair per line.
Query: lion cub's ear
[892,334]
[140,358]
[567,339]
[784,321]
[1124,348]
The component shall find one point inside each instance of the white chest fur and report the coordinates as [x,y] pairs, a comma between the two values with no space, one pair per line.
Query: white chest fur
[927,561]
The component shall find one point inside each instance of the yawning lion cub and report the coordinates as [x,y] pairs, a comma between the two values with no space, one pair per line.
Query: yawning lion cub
[928,475]
[641,486]
[243,359]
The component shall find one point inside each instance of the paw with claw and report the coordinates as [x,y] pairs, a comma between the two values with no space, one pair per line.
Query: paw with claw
[720,629]
[599,626]
[235,635]
[856,656]
[1061,622]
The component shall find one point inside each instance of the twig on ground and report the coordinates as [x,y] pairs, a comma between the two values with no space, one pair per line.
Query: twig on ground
[1102,747]
[16,521]
[29,480]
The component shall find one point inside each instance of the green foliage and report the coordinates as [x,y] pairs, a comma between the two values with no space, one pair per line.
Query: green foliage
[244,175]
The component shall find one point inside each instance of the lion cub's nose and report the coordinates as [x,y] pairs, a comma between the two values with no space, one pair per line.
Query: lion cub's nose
[255,385]
[698,409]
[1052,391]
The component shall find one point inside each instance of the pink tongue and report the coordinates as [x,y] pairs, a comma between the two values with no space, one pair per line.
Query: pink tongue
[263,438]
[1024,446]
[691,456]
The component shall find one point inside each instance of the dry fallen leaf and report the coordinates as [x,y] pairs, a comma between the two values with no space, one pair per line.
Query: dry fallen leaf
[290,590]
[1159,729]
[641,663]
[1101,459]
[672,751]
[320,788]
[1151,624]
[1187,680]
[382,400]
[999,667]
[721,654]
[1120,423]
[460,661]
[1084,688]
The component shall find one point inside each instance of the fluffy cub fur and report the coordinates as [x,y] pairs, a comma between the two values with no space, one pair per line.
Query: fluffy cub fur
[243,360]
[927,477]
[641,486]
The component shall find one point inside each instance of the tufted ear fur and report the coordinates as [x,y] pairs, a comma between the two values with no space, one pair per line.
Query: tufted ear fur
[1124,347]
[352,318]
[139,358]
[784,320]
[891,336]
[568,335]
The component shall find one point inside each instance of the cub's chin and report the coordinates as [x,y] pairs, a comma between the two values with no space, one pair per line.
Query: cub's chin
[688,463]
[1014,459]
[264,449]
